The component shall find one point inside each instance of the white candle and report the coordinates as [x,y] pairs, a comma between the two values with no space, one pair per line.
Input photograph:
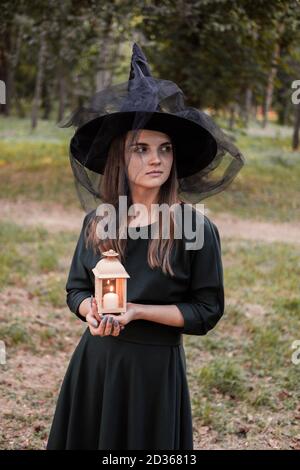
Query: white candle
[110,300]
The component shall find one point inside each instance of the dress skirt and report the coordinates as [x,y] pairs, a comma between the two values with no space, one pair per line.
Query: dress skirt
[130,391]
[118,394]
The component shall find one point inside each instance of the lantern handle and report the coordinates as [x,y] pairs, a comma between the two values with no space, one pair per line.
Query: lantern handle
[110,253]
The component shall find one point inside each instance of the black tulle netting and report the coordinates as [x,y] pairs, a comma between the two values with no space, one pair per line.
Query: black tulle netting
[207,160]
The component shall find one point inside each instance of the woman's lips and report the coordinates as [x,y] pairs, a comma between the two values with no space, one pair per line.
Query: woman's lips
[155,173]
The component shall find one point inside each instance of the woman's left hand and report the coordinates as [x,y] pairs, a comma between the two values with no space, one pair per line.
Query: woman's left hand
[130,314]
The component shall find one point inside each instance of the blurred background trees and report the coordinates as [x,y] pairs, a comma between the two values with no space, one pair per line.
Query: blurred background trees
[237,59]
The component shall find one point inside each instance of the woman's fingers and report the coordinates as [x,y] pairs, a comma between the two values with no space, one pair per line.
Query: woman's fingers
[92,320]
[109,325]
[116,328]
[93,330]
[95,310]
[102,325]
[100,317]
[92,323]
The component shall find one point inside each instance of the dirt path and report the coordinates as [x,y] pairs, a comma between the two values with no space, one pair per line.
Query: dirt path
[233,227]
[55,217]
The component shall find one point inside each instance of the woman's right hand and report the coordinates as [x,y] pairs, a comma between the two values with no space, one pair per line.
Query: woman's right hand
[101,325]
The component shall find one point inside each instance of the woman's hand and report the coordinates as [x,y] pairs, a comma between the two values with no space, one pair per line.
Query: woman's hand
[102,325]
[130,314]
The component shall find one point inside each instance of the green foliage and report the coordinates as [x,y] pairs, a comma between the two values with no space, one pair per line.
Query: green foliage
[26,250]
[225,376]
[260,191]
[37,170]
[51,290]
[16,334]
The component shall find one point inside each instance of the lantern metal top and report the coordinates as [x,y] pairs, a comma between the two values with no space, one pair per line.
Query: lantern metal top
[110,266]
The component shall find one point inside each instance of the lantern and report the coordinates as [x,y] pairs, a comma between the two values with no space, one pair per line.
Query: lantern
[110,284]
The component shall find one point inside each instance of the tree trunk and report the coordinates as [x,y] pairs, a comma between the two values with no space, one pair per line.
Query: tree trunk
[103,74]
[231,117]
[14,64]
[287,109]
[5,74]
[248,106]
[295,143]
[272,76]
[46,100]
[39,79]
[61,93]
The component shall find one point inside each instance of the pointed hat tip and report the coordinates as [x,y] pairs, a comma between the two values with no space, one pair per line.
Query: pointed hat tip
[136,47]
[139,65]
[137,52]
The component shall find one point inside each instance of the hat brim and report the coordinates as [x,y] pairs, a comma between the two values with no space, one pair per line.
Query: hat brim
[195,147]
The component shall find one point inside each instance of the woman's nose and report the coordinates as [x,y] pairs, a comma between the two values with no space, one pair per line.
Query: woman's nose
[154,157]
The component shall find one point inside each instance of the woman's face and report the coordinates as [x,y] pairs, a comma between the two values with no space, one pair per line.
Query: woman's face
[151,151]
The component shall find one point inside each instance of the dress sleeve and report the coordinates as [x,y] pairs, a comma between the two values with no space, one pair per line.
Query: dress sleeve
[204,304]
[79,285]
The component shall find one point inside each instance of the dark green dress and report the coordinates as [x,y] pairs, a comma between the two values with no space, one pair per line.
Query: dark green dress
[130,391]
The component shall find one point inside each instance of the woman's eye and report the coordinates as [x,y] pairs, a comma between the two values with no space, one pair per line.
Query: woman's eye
[167,148]
[139,149]
[164,149]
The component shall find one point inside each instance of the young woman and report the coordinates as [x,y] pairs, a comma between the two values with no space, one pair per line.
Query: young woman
[126,384]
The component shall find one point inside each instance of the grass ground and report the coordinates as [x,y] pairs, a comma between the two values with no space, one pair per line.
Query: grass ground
[243,383]
[36,166]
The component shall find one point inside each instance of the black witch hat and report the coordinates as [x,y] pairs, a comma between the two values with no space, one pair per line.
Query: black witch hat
[206,160]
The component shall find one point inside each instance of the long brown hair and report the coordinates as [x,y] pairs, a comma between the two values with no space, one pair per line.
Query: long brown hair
[114,183]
